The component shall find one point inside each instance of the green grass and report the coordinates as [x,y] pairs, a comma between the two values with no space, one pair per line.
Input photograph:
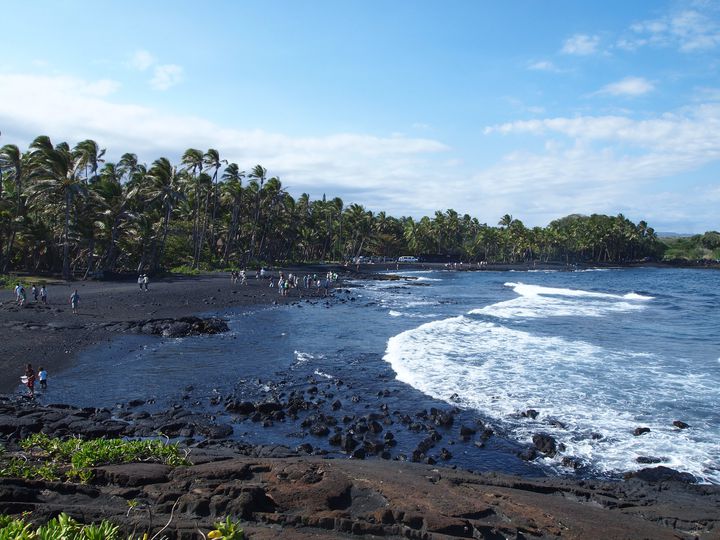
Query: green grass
[64,527]
[51,458]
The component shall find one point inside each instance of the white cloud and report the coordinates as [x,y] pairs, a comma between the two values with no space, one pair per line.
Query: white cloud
[584,164]
[688,30]
[580,45]
[391,173]
[166,76]
[103,87]
[629,86]
[543,65]
[142,60]
[609,164]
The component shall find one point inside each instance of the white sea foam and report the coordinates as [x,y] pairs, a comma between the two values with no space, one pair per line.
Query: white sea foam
[323,374]
[501,371]
[535,301]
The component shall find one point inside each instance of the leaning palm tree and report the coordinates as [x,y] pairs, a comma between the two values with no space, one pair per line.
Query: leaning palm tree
[258,176]
[164,190]
[232,191]
[212,161]
[58,182]
[192,159]
[14,164]
[91,155]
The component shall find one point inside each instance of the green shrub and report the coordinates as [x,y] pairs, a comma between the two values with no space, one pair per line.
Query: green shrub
[185,270]
[73,459]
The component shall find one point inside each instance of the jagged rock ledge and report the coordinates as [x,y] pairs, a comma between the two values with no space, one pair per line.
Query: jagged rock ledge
[180,327]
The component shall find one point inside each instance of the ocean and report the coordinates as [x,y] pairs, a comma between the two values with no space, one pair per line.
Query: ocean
[596,353]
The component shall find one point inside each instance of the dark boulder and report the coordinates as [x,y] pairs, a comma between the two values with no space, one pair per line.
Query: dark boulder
[240,407]
[680,424]
[545,444]
[661,474]
[641,431]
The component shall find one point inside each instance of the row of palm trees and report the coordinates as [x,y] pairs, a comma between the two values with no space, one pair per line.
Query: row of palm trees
[65,209]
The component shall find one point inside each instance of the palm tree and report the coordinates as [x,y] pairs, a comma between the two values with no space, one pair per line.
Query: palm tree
[213,162]
[116,201]
[163,189]
[232,189]
[58,182]
[14,163]
[258,176]
[192,159]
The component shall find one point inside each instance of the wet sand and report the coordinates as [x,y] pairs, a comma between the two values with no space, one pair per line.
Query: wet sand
[51,336]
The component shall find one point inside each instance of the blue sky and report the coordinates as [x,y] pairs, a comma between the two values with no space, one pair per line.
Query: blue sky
[537,109]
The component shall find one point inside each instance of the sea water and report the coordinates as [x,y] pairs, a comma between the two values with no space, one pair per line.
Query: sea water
[596,353]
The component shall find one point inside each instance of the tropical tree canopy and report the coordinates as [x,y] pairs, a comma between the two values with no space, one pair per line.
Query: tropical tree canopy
[68,210]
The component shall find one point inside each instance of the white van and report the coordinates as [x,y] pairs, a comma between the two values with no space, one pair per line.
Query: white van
[407,259]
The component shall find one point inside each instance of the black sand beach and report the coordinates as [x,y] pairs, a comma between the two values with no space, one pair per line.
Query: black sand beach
[283,492]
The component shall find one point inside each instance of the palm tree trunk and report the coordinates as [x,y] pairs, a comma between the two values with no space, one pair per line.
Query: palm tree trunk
[66,241]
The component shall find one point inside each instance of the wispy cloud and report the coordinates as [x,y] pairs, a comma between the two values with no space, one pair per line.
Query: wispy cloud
[394,173]
[544,65]
[629,86]
[581,45]
[688,30]
[606,163]
[142,60]
[166,76]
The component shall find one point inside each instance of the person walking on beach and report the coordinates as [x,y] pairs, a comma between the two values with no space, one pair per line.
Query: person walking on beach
[74,301]
[42,377]
[146,280]
[30,379]
[35,292]
[243,277]
[140,281]
[43,294]
[21,296]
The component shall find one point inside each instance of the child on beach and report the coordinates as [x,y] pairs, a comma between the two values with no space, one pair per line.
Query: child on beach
[42,377]
[43,294]
[74,301]
[146,280]
[140,281]
[30,379]
[35,292]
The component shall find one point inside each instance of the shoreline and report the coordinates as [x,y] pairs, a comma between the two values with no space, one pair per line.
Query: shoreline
[111,302]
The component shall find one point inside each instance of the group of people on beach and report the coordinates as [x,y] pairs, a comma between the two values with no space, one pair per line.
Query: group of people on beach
[284,284]
[37,293]
[238,275]
[143,281]
[29,379]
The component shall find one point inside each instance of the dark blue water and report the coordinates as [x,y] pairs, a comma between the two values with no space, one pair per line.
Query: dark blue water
[598,353]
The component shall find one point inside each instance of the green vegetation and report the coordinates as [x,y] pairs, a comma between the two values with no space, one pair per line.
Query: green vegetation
[64,209]
[694,248]
[63,527]
[54,459]
[227,530]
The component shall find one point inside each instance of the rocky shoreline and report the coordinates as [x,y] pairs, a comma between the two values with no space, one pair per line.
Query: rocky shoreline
[296,493]
[391,485]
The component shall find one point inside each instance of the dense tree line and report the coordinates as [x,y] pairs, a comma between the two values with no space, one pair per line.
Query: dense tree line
[698,247]
[65,209]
